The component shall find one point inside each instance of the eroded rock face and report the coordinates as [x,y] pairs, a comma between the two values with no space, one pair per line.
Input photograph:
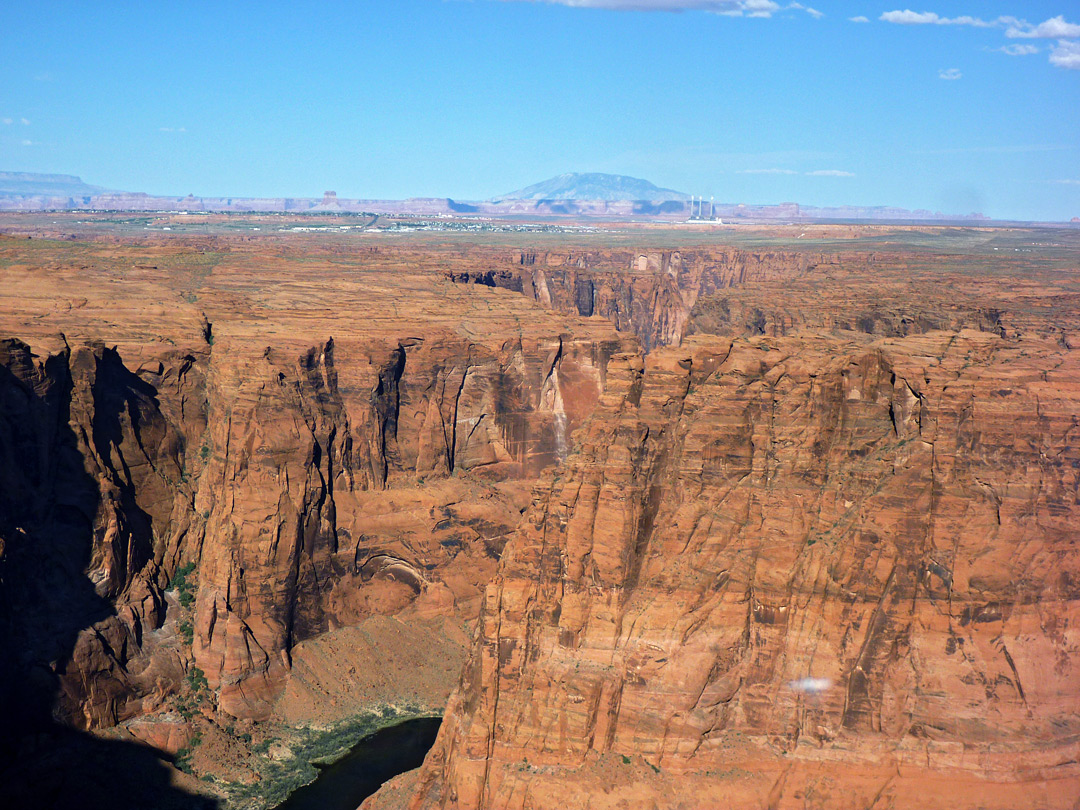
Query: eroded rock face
[310,456]
[821,555]
[791,572]
[293,543]
[92,456]
[662,296]
[652,293]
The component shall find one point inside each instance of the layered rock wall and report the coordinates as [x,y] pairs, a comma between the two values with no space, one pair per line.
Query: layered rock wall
[791,573]
[296,441]
[822,554]
[96,493]
[240,475]
[651,293]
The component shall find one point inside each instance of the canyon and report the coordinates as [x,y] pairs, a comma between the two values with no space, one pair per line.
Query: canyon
[653,519]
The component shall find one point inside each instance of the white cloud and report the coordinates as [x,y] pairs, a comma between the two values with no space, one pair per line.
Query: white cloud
[766,171]
[27,143]
[1066,182]
[7,121]
[830,173]
[859,19]
[728,8]
[1054,28]
[172,129]
[1016,49]
[24,122]
[759,8]
[908,17]
[950,75]
[1066,55]
[813,12]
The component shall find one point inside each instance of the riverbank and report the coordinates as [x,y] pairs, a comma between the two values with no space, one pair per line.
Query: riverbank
[299,756]
[381,756]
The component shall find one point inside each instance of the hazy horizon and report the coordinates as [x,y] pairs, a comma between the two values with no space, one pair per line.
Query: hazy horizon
[968,107]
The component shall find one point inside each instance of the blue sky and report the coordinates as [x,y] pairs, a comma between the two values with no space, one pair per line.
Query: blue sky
[952,106]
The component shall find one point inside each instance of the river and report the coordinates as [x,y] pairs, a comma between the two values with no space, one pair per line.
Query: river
[372,761]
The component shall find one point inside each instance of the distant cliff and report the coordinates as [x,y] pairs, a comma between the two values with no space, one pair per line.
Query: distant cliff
[30,184]
[571,196]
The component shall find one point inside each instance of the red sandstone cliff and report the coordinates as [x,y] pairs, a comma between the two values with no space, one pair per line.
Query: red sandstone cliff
[288,549]
[308,467]
[822,555]
[649,293]
[791,573]
[93,450]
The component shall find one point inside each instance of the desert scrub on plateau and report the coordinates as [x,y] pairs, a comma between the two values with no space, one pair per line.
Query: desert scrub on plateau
[288,762]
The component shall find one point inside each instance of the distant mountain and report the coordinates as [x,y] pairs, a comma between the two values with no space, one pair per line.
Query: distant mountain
[568,196]
[594,186]
[30,184]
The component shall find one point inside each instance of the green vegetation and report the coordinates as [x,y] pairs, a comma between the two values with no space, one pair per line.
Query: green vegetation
[197,694]
[181,581]
[196,679]
[291,765]
[185,754]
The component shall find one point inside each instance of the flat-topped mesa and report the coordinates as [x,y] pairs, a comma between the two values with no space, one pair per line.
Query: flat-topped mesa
[784,567]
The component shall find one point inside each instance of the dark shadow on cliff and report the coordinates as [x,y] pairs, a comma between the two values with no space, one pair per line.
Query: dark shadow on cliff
[48,504]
